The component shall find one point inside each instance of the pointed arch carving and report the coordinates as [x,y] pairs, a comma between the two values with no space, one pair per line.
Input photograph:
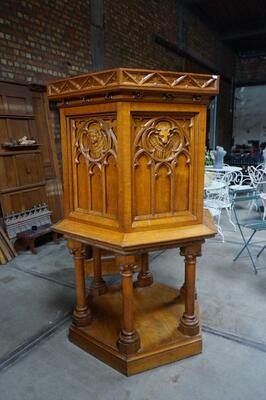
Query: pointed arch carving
[161,140]
[95,140]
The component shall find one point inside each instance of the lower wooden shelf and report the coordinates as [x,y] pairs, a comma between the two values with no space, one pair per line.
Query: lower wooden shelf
[158,309]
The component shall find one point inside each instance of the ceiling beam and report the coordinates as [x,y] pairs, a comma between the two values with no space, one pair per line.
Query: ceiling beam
[242,34]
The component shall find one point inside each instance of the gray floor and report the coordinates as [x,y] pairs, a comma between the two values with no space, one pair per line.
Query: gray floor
[38,362]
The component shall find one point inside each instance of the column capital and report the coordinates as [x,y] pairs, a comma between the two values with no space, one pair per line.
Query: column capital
[125,264]
[191,250]
[76,249]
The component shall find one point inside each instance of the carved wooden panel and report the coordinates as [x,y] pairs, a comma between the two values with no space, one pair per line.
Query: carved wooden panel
[20,169]
[15,100]
[161,165]
[94,145]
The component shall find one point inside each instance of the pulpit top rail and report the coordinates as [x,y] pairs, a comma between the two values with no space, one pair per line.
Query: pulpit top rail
[129,79]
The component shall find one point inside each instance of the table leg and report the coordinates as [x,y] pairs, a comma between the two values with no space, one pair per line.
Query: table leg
[31,244]
[82,312]
[128,341]
[55,237]
[189,323]
[145,277]
[98,286]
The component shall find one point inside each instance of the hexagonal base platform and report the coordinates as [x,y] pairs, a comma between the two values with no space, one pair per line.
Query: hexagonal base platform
[157,312]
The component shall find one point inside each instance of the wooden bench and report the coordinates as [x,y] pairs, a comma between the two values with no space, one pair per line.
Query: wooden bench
[31,235]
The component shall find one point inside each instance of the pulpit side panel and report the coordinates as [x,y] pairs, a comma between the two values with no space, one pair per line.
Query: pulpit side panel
[91,173]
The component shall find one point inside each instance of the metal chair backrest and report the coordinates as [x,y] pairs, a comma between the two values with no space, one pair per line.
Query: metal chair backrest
[256,174]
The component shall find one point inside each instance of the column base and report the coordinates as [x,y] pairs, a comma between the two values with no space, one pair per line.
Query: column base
[98,289]
[189,326]
[82,317]
[144,279]
[128,343]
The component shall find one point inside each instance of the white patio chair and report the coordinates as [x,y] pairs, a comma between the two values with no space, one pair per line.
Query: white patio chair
[258,181]
[216,214]
[219,200]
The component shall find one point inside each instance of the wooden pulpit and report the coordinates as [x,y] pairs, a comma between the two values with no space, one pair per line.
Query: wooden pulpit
[133,151]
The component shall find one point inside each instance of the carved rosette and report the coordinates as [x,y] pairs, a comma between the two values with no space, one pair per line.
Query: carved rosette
[96,141]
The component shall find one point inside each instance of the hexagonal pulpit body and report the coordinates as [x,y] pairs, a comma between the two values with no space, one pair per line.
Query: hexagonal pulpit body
[133,150]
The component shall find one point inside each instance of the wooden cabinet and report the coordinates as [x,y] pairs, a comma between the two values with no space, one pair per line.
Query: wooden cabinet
[20,169]
[27,178]
[22,181]
[133,146]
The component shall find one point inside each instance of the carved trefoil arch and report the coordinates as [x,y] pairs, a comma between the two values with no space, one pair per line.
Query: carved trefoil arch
[95,143]
[160,143]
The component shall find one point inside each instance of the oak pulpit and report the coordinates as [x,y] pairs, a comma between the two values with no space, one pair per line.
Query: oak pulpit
[133,150]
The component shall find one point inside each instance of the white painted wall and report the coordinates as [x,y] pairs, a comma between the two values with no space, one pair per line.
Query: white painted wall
[250,114]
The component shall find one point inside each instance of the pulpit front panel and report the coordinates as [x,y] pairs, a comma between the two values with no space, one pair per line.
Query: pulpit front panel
[166,170]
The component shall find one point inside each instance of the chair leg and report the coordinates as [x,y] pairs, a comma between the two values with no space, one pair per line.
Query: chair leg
[220,232]
[264,209]
[259,253]
[219,228]
[229,214]
[246,243]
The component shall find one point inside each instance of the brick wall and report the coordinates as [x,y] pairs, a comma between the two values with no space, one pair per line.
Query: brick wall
[44,39]
[129,26]
[48,39]
[129,30]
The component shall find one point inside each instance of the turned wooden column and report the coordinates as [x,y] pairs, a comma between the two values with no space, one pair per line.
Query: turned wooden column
[189,323]
[82,312]
[145,277]
[182,290]
[98,286]
[128,341]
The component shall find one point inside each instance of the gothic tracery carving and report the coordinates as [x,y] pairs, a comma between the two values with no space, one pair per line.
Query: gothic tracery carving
[95,140]
[163,139]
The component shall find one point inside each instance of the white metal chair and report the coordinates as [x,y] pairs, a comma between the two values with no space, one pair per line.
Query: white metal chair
[220,199]
[253,225]
[216,214]
[257,177]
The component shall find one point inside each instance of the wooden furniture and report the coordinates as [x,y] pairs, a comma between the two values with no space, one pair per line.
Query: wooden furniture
[108,264]
[31,235]
[22,180]
[133,144]
[27,177]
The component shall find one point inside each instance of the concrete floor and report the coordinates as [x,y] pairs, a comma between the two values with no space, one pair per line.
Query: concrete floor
[38,362]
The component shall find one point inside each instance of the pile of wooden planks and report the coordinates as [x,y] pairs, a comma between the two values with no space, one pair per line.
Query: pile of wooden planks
[7,251]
